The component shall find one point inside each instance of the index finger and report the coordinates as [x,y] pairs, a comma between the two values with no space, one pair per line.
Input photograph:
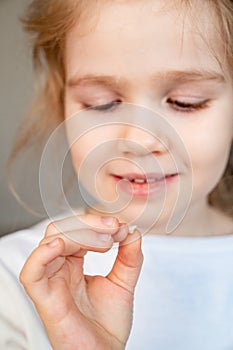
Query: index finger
[85,239]
[101,224]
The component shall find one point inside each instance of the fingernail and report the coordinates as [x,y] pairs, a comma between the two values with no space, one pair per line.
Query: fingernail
[104,237]
[108,220]
[53,243]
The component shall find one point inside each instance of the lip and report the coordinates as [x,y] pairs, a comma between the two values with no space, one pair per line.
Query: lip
[156,182]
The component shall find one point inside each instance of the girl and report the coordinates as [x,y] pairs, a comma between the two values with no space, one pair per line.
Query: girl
[109,65]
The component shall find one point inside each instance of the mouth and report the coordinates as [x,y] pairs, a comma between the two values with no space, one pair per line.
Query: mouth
[144,185]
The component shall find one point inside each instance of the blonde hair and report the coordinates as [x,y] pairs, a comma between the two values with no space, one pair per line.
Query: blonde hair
[48,23]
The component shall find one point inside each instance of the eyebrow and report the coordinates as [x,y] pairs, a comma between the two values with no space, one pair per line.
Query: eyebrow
[175,76]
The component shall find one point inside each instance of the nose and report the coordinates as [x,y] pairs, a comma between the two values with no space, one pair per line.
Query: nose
[139,142]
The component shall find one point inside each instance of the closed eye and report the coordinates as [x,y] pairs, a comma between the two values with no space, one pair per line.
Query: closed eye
[181,106]
[105,107]
[187,106]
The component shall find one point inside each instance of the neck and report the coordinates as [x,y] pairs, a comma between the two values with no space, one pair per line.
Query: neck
[200,220]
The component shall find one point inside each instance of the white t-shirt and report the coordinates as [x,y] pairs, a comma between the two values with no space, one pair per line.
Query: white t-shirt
[183,301]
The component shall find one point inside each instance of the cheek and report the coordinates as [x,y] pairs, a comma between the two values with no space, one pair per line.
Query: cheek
[90,159]
[82,152]
[209,155]
[77,156]
[92,151]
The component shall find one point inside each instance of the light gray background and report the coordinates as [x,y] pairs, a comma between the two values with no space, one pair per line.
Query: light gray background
[16,90]
[15,94]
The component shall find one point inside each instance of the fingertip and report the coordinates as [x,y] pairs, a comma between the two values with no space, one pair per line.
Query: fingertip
[109,221]
[100,223]
[138,239]
[52,241]
[128,263]
[137,233]
[55,243]
[132,243]
[132,237]
[33,275]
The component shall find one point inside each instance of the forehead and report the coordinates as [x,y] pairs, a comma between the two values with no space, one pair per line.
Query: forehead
[137,36]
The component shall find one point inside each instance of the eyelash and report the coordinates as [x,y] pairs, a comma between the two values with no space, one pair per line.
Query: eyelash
[187,107]
[179,106]
[108,107]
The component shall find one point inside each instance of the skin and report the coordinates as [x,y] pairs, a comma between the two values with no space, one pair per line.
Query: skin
[77,310]
[132,62]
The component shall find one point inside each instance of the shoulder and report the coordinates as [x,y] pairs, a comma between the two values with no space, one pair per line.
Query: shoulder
[17,246]
[26,331]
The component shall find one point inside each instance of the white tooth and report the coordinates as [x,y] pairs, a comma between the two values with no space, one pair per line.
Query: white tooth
[132,228]
[139,181]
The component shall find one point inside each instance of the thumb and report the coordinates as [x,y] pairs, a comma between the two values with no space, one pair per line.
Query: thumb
[128,263]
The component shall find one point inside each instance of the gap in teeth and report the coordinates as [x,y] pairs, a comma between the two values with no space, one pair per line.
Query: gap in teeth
[151,180]
[148,180]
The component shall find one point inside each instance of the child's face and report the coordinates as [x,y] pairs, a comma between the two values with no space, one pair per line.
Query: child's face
[143,53]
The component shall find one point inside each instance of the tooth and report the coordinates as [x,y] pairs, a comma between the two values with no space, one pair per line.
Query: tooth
[139,181]
[132,228]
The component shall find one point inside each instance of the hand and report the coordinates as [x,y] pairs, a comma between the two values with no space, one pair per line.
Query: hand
[78,311]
